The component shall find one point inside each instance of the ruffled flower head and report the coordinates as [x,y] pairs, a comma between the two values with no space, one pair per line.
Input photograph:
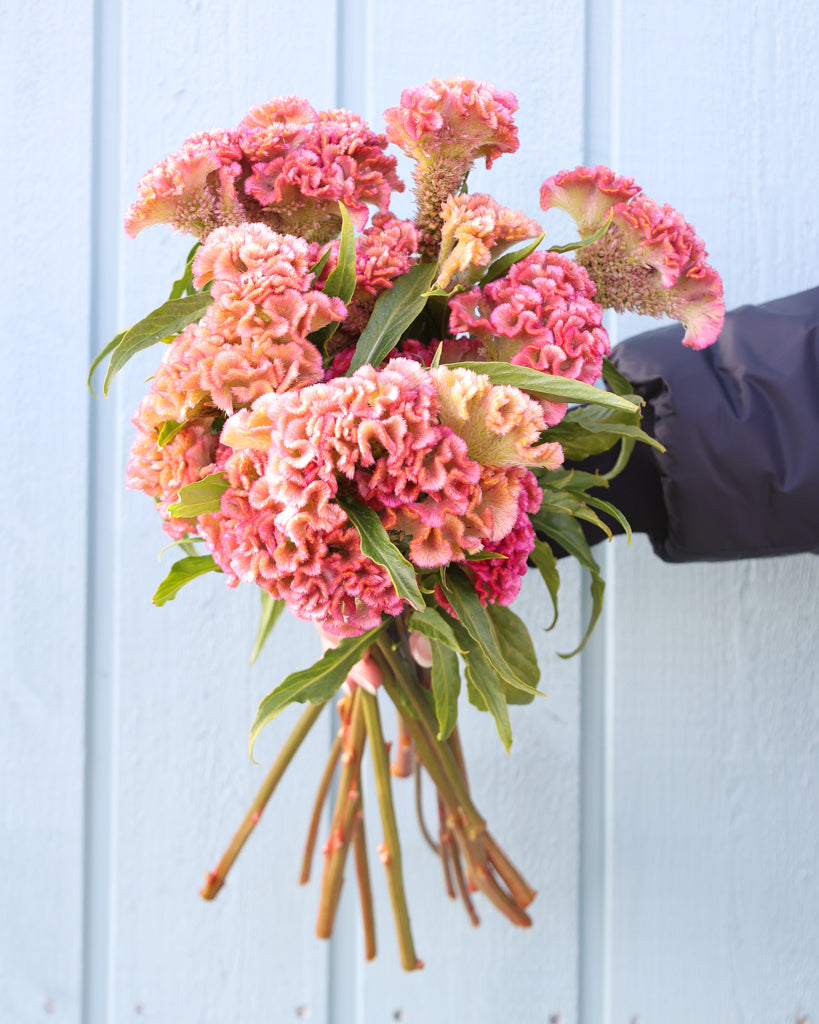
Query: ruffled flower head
[193,189]
[446,125]
[587,194]
[652,262]
[475,231]
[541,314]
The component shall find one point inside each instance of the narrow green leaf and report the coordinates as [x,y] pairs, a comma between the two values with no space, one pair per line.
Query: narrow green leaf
[197,498]
[436,359]
[435,626]
[566,530]
[484,556]
[317,683]
[509,259]
[446,686]
[467,606]
[184,284]
[321,263]
[271,610]
[98,358]
[612,510]
[182,572]
[341,281]
[575,479]
[392,314]
[623,456]
[168,431]
[170,318]
[376,544]
[517,647]
[546,564]
[585,241]
[492,690]
[544,385]
[619,384]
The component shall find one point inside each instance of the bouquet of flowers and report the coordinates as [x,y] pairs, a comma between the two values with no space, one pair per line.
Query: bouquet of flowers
[375,421]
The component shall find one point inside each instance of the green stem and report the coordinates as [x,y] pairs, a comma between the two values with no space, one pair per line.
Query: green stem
[347,803]
[321,796]
[215,879]
[362,869]
[392,847]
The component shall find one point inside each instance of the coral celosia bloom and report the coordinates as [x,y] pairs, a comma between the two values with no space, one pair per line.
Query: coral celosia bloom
[446,126]
[541,314]
[587,194]
[501,425]
[299,175]
[651,261]
[475,231]
[161,471]
[193,189]
[456,117]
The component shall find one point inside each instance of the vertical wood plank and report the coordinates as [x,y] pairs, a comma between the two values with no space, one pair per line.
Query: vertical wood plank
[185,696]
[46,64]
[535,50]
[715,757]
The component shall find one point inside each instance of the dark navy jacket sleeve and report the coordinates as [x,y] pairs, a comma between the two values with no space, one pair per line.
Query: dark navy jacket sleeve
[740,422]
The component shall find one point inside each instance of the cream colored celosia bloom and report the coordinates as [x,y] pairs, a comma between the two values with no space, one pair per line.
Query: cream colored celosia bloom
[500,424]
[475,231]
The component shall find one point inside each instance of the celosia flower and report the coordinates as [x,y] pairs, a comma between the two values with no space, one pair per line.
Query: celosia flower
[587,194]
[541,314]
[193,189]
[299,174]
[445,126]
[501,425]
[475,231]
[651,261]
[161,471]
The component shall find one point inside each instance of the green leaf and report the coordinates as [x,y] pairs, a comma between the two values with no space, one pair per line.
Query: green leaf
[544,385]
[109,348]
[168,431]
[182,572]
[376,544]
[436,359]
[487,691]
[172,317]
[467,606]
[435,626]
[518,650]
[392,314]
[484,556]
[341,281]
[271,610]
[545,562]
[321,263]
[612,510]
[585,241]
[574,479]
[619,384]
[184,284]
[591,430]
[563,528]
[199,497]
[509,259]
[446,686]
[317,683]
[626,448]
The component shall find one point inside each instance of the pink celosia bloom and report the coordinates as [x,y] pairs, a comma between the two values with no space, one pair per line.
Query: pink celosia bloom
[651,261]
[281,110]
[445,126]
[193,189]
[161,471]
[299,177]
[497,581]
[541,314]
[587,194]
[501,425]
[457,117]
[475,231]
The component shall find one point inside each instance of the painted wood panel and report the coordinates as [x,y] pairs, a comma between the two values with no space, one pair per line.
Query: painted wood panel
[46,67]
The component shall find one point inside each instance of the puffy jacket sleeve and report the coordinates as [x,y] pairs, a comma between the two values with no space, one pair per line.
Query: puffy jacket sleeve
[740,423]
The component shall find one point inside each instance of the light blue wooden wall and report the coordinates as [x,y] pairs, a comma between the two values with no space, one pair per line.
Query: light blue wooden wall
[663,799]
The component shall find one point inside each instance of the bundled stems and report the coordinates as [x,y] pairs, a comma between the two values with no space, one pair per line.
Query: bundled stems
[321,796]
[215,879]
